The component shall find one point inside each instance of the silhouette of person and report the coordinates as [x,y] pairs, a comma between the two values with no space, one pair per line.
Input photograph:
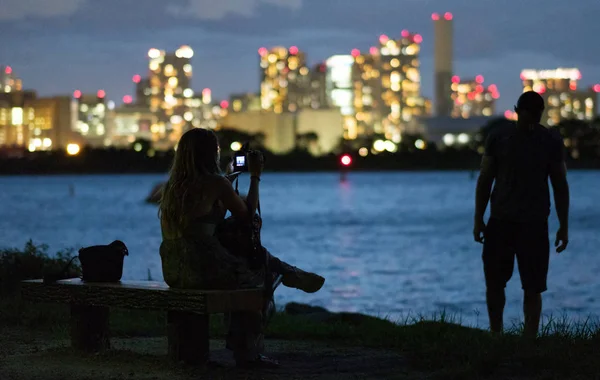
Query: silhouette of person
[518,161]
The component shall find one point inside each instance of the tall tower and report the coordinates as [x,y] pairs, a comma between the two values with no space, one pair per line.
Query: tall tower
[284,80]
[169,86]
[443,63]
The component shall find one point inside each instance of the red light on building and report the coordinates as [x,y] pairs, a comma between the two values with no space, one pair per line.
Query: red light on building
[101,94]
[418,38]
[573,86]
[495,95]
[322,67]
[479,79]
[493,88]
[77,94]
[383,38]
[435,16]
[346,160]
[373,50]
[523,77]
[8,70]
[224,104]
[596,88]
[405,33]
[137,78]
[455,79]
[263,51]
[355,53]
[471,95]
[206,92]
[448,16]
[294,50]
[479,88]
[127,99]
[508,114]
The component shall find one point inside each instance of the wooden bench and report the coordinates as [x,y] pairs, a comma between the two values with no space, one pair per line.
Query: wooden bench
[188,311]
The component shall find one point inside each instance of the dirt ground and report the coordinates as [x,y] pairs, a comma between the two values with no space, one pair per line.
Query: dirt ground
[26,355]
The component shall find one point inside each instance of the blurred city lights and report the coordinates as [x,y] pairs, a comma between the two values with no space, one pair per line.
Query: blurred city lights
[137,78]
[379,145]
[101,94]
[420,144]
[435,16]
[346,160]
[236,146]
[73,149]
[363,152]
[449,139]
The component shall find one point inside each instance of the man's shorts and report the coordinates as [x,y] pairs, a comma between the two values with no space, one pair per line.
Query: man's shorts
[528,242]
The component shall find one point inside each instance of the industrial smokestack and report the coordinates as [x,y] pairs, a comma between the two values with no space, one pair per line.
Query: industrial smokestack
[443,63]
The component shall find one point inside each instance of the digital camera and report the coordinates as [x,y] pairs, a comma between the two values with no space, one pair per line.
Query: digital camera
[240,159]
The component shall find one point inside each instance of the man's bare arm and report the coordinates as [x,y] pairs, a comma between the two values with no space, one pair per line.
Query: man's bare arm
[485,181]
[558,178]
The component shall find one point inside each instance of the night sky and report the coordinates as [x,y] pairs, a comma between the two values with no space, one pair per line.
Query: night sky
[57,46]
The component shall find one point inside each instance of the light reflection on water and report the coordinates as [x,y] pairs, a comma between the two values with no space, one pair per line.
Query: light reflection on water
[389,244]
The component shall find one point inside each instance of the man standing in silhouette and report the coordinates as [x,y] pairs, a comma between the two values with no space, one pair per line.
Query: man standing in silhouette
[519,159]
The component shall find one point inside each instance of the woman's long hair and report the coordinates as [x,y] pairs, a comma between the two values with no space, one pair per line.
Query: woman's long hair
[197,156]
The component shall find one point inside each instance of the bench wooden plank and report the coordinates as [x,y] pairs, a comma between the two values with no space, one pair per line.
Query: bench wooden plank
[151,295]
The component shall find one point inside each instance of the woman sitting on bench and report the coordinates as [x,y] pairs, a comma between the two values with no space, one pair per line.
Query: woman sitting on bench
[194,201]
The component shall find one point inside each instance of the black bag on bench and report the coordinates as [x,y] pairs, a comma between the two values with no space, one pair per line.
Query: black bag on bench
[103,263]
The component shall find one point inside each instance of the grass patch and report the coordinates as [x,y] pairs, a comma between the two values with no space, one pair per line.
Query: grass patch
[436,344]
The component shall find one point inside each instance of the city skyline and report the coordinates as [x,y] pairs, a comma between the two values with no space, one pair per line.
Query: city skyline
[88,49]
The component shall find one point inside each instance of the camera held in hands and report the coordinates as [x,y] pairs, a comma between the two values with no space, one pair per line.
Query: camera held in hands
[240,159]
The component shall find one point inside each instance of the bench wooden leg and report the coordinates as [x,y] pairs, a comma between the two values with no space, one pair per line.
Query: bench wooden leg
[188,337]
[89,328]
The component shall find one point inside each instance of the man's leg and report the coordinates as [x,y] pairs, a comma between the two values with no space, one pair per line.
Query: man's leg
[498,265]
[532,308]
[496,299]
[533,256]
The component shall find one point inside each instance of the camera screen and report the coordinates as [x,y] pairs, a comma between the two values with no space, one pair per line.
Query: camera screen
[240,161]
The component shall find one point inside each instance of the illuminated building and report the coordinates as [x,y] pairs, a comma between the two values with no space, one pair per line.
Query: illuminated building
[131,123]
[387,86]
[473,98]
[339,91]
[91,117]
[8,81]
[563,98]
[16,118]
[367,100]
[400,81]
[52,126]
[285,79]
[142,90]
[318,87]
[280,131]
[443,57]
[244,102]
[169,83]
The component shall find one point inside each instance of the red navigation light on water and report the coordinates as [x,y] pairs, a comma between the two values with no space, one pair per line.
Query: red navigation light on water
[346,160]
